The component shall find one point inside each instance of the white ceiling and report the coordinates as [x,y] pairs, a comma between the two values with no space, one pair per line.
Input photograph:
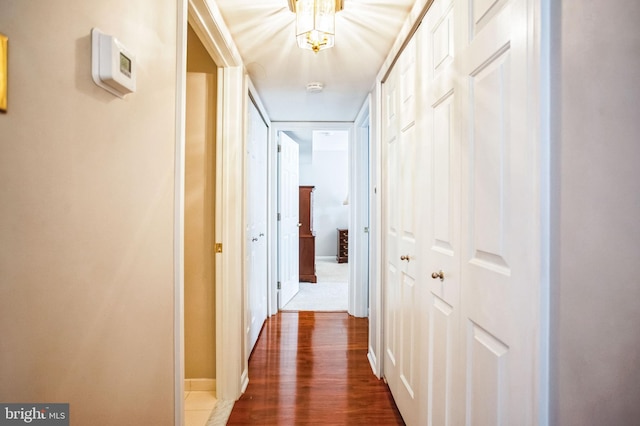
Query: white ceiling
[264,33]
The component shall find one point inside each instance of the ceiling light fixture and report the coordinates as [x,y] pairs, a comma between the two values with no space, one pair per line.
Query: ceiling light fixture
[315,22]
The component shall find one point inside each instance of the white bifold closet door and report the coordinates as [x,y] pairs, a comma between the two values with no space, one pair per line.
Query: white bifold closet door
[463,224]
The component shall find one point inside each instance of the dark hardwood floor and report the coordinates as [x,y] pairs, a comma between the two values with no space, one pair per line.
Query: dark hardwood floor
[312,368]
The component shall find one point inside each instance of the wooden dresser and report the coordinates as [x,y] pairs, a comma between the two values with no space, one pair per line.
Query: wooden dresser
[307,237]
[343,246]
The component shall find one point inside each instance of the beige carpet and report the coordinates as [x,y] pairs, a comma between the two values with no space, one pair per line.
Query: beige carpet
[330,293]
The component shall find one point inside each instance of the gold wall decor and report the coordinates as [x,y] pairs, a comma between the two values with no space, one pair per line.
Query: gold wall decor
[4,71]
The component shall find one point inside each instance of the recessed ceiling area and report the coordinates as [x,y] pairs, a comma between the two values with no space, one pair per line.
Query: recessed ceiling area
[264,32]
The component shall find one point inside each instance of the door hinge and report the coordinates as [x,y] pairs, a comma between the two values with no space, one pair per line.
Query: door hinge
[218,247]
[279,217]
[279,148]
[366,229]
[279,285]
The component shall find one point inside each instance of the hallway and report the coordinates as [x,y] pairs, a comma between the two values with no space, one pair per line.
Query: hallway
[312,368]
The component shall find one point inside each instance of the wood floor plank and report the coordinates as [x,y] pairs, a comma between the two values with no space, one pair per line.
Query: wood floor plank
[312,368]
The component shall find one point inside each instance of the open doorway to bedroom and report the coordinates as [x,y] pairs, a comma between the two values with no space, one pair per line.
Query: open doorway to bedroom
[324,211]
[333,158]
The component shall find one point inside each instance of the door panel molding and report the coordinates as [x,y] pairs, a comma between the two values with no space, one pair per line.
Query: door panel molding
[480,230]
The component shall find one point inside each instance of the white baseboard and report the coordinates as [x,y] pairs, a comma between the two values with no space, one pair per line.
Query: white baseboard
[325,258]
[199,385]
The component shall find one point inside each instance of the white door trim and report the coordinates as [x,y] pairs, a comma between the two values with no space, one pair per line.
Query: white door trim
[178,221]
[359,214]
[277,126]
[376,317]
[231,365]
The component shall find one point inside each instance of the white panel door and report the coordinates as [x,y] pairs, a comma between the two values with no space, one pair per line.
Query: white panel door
[404,288]
[288,208]
[500,201]
[256,228]
[440,239]
[462,200]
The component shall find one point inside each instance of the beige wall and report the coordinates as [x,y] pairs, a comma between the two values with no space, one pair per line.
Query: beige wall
[87,214]
[199,289]
[595,322]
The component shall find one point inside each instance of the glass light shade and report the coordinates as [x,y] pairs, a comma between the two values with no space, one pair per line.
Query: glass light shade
[315,24]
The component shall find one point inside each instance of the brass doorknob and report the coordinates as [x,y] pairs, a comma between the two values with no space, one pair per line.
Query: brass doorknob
[437,275]
[405,258]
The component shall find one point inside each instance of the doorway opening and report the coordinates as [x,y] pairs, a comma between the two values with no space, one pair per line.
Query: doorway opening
[199,224]
[326,165]
[323,165]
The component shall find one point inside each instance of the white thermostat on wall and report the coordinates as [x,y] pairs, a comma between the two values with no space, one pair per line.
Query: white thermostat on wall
[113,67]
